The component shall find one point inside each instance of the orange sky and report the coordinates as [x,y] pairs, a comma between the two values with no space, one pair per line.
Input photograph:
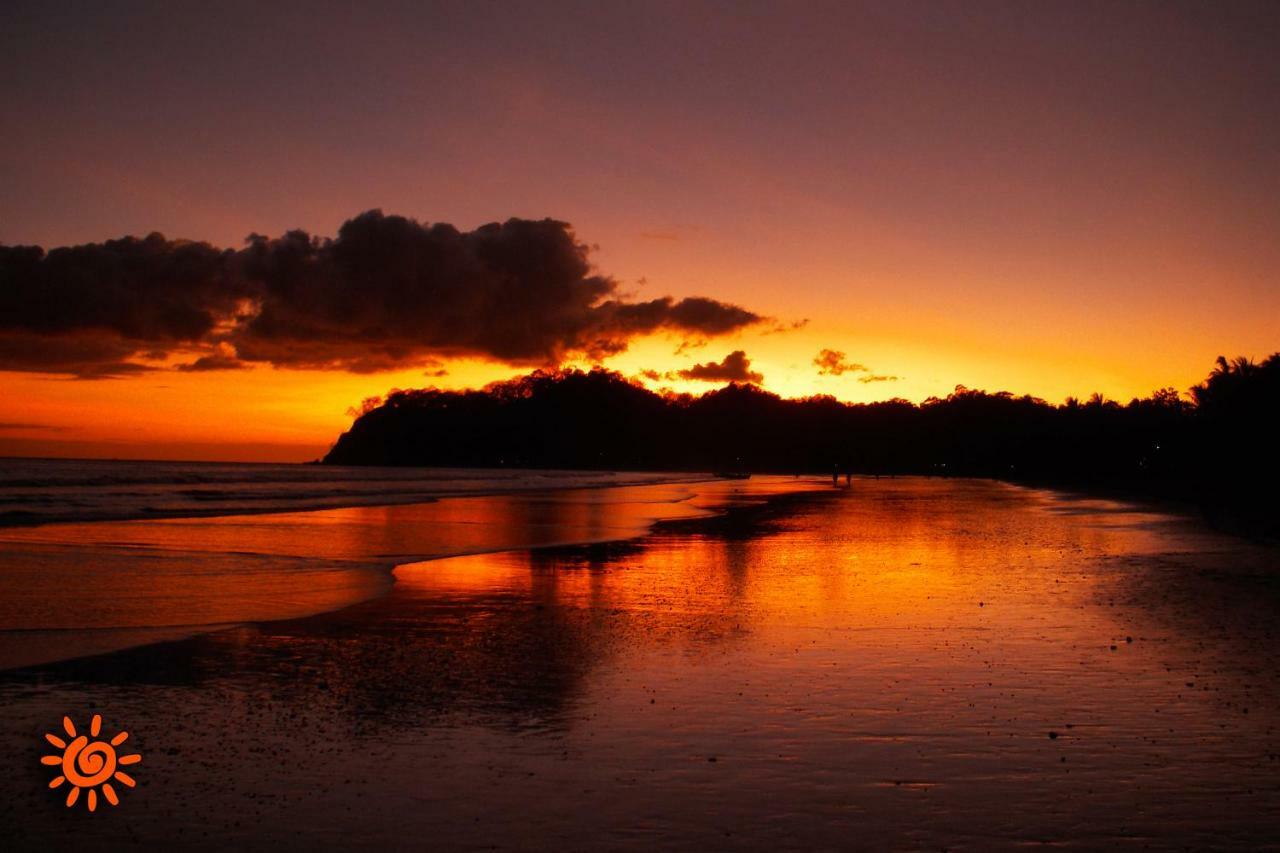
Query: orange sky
[1045,198]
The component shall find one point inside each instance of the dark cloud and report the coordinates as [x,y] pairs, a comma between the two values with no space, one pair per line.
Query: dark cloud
[832,362]
[223,357]
[86,311]
[878,378]
[90,354]
[735,367]
[387,292]
[696,316]
[149,289]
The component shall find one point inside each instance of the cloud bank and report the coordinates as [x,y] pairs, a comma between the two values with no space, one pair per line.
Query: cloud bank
[386,292]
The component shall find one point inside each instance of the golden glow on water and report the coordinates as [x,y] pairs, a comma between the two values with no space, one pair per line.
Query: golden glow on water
[909,663]
[211,571]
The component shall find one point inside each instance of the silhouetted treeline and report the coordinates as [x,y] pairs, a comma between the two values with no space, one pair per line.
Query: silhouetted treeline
[1218,448]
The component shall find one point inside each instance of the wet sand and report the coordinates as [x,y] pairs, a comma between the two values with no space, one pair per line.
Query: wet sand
[909,664]
[72,589]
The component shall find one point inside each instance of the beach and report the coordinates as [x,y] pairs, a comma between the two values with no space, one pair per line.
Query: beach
[663,426]
[101,555]
[906,664]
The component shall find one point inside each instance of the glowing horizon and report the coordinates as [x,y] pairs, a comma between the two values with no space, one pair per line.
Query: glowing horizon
[295,415]
[1049,201]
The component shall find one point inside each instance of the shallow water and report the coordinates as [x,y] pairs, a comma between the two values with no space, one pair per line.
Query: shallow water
[43,491]
[72,589]
[910,664]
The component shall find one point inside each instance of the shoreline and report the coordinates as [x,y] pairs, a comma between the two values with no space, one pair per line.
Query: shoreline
[727,505]
[911,650]
[741,520]
[1175,500]
[26,519]
[732,515]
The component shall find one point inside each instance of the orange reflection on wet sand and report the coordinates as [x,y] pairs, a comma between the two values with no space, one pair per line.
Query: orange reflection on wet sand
[907,664]
[104,585]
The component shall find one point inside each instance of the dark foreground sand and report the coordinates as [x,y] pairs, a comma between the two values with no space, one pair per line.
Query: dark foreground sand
[912,664]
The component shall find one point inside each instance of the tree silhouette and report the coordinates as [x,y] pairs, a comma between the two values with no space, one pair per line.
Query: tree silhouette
[1216,449]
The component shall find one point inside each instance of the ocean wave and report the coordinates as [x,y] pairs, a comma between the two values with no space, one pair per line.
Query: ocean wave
[44,491]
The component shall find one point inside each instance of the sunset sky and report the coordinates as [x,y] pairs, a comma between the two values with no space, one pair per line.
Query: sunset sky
[1045,198]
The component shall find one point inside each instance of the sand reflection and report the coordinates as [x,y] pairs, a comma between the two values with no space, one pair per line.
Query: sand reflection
[911,663]
[69,589]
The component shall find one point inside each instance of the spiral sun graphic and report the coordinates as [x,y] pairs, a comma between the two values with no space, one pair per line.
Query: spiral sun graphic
[88,764]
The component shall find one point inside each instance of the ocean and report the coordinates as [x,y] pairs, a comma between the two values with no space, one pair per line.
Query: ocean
[98,555]
[35,491]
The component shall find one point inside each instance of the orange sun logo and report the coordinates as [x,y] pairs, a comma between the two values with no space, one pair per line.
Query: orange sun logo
[89,763]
